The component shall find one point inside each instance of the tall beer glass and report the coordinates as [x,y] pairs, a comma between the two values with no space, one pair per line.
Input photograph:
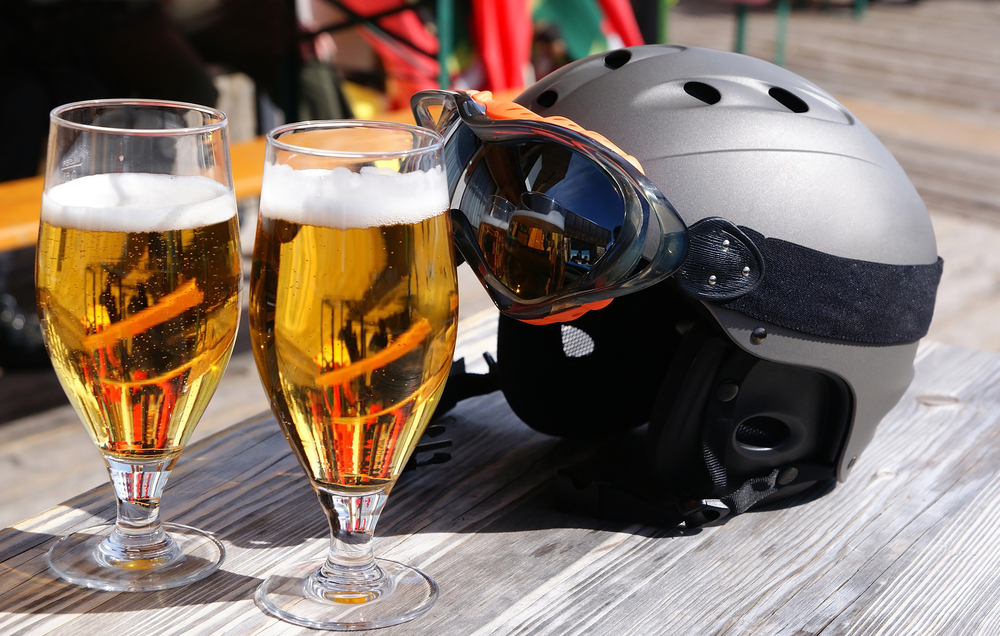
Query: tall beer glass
[138,280]
[353,308]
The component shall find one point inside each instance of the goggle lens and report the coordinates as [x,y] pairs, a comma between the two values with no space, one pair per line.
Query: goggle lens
[542,214]
[554,219]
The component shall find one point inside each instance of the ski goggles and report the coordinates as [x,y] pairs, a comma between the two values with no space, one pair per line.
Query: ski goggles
[555,220]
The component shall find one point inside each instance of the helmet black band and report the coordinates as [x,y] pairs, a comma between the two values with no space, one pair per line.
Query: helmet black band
[793,286]
[842,298]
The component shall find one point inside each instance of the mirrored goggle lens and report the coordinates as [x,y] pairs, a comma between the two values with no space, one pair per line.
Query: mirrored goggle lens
[543,215]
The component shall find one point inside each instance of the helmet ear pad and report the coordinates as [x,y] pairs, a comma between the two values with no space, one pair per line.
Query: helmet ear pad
[596,376]
[675,424]
[724,416]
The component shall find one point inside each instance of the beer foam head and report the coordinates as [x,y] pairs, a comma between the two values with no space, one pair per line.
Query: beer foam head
[555,219]
[138,202]
[495,222]
[343,199]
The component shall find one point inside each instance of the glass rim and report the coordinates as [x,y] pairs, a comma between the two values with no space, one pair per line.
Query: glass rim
[332,124]
[56,117]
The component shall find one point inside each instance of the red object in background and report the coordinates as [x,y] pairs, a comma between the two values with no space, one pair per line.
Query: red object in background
[502,32]
[619,13]
[408,70]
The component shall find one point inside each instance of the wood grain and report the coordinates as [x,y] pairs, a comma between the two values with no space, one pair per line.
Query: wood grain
[907,545]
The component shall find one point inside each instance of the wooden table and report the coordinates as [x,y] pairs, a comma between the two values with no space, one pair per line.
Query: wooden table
[909,545]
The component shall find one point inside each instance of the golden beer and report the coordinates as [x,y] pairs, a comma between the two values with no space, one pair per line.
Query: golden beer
[492,238]
[353,333]
[138,288]
[537,251]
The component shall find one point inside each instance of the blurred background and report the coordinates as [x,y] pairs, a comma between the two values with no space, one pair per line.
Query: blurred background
[924,75]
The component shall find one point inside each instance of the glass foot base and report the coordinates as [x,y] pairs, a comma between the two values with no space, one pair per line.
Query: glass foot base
[78,559]
[292,594]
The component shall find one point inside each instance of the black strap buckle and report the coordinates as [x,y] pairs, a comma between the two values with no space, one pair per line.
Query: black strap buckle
[605,500]
[703,512]
[461,385]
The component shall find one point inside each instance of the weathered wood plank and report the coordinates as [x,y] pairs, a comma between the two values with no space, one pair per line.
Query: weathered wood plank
[936,57]
[905,546]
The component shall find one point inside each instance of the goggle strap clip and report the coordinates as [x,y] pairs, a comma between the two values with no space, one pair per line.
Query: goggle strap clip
[722,262]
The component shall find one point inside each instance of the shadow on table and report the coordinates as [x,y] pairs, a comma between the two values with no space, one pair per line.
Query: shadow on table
[50,595]
[30,579]
[32,588]
[500,480]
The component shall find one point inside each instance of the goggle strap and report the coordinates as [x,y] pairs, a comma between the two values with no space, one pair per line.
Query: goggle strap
[804,290]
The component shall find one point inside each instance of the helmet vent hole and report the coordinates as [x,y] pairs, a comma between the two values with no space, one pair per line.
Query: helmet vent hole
[547,99]
[617,59]
[699,90]
[576,343]
[789,100]
[762,433]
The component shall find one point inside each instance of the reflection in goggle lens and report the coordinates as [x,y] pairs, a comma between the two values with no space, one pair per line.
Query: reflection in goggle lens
[543,214]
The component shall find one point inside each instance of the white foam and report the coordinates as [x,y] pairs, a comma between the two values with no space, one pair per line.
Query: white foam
[343,199]
[138,202]
[551,218]
[495,222]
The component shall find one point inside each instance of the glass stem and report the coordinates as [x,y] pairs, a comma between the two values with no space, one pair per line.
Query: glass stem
[138,534]
[350,565]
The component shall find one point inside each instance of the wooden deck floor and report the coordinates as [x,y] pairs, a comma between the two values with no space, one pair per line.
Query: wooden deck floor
[925,78]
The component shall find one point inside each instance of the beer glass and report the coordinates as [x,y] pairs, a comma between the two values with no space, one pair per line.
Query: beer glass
[138,281]
[353,316]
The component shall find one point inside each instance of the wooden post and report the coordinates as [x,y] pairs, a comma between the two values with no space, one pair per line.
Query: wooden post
[445,31]
[663,24]
[860,6]
[739,45]
[781,30]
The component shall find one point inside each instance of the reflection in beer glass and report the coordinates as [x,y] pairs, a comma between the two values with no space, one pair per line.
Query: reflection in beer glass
[353,318]
[537,247]
[493,229]
[138,279]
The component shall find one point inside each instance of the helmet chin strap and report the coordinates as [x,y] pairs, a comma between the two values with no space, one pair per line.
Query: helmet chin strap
[583,489]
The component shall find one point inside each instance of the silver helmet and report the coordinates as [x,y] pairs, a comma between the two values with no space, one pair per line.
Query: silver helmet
[782,383]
